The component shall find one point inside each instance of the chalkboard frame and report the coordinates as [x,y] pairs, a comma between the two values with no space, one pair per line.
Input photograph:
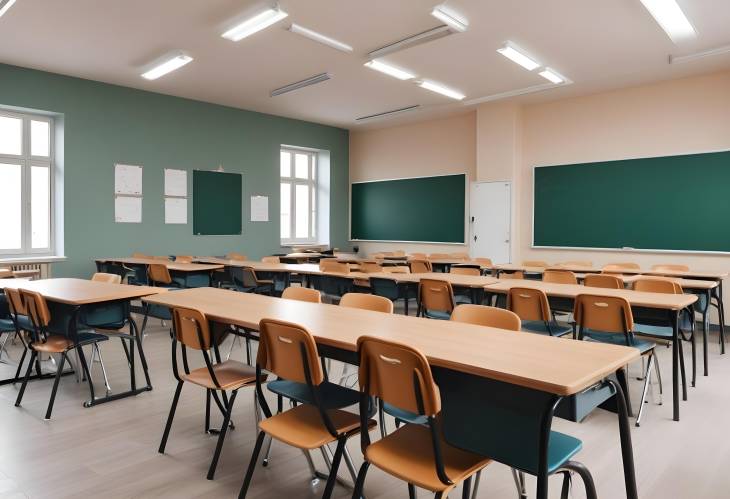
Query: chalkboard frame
[624,249]
[465,241]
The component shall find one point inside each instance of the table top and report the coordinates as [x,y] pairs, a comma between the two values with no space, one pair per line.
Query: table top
[554,365]
[180,267]
[685,283]
[81,291]
[689,274]
[461,280]
[635,298]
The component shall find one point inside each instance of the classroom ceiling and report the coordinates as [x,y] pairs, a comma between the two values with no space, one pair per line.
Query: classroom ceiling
[598,44]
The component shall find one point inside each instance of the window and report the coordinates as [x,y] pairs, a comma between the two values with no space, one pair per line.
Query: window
[298,196]
[26,173]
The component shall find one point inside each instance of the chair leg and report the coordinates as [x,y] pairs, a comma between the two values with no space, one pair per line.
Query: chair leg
[170,417]
[647,380]
[103,368]
[222,435]
[682,370]
[411,491]
[20,365]
[33,355]
[475,489]
[332,478]
[207,411]
[59,373]
[585,475]
[349,464]
[360,483]
[565,490]
[694,356]
[659,378]
[519,478]
[381,420]
[252,465]
[466,489]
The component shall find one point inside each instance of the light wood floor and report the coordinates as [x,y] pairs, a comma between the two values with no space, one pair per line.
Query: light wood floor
[111,450]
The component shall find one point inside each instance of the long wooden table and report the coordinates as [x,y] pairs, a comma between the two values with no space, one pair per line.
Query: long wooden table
[512,373]
[189,275]
[78,303]
[668,305]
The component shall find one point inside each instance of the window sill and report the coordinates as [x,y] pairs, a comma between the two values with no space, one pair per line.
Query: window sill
[32,259]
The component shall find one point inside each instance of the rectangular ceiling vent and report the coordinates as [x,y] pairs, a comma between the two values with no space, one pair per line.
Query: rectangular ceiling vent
[387,113]
[412,41]
[301,84]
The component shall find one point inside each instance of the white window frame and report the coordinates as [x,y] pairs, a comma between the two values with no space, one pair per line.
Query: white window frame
[312,182]
[26,161]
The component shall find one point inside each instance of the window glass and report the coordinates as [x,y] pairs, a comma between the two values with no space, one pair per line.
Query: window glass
[301,165]
[11,234]
[40,204]
[302,211]
[11,135]
[285,161]
[40,138]
[285,210]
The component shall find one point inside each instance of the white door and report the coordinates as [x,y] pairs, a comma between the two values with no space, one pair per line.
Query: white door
[490,220]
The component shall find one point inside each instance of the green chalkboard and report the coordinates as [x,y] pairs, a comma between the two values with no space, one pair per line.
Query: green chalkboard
[424,209]
[679,203]
[217,203]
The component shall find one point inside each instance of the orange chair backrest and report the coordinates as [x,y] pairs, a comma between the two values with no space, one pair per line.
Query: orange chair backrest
[618,267]
[656,285]
[465,271]
[191,328]
[391,371]
[482,315]
[159,273]
[183,259]
[370,267]
[332,265]
[419,256]
[367,302]
[436,295]
[606,281]
[421,267]
[280,351]
[529,304]
[670,267]
[302,294]
[236,256]
[603,313]
[271,259]
[512,275]
[397,269]
[109,278]
[37,308]
[15,302]
[559,277]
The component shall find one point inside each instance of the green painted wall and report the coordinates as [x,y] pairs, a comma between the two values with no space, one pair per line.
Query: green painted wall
[105,124]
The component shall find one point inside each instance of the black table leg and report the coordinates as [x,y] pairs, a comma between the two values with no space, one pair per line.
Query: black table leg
[675,363]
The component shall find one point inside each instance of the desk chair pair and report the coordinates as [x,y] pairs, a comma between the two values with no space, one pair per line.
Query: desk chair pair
[43,341]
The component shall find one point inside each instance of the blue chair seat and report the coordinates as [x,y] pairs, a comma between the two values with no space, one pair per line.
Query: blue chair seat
[403,415]
[24,323]
[459,299]
[333,396]
[562,447]
[619,339]
[655,331]
[437,314]
[89,336]
[539,327]
[7,326]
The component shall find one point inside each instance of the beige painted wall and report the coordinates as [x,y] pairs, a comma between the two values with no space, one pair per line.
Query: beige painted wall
[434,147]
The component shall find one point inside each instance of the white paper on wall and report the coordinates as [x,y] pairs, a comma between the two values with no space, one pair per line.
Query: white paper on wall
[176,210]
[128,180]
[259,208]
[128,209]
[176,182]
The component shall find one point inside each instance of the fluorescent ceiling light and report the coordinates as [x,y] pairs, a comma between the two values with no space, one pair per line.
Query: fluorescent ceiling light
[678,59]
[516,54]
[449,18]
[254,24]
[552,76]
[167,64]
[387,113]
[670,17]
[301,84]
[318,37]
[389,70]
[5,6]
[440,89]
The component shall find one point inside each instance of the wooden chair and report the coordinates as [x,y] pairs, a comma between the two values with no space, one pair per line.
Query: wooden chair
[183,259]
[418,256]
[606,281]
[608,319]
[271,259]
[533,309]
[332,265]
[302,294]
[42,341]
[435,299]
[421,267]
[482,315]
[236,256]
[657,285]
[367,302]
[21,323]
[399,375]
[289,352]
[192,331]
[559,277]
[618,267]
[108,278]
[670,267]
[518,274]
[465,270]
[158,276]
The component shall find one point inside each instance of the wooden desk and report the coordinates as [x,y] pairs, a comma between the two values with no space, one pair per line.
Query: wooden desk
[189,275]
[478,359]
[639,300]
[77,303]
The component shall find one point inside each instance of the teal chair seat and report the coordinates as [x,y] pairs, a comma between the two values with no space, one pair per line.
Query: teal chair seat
[540,327]
[403,415]
[437,314]
[24,323]
[333,396]
[6,326]
[619,339]
[655,331]
[562,448]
